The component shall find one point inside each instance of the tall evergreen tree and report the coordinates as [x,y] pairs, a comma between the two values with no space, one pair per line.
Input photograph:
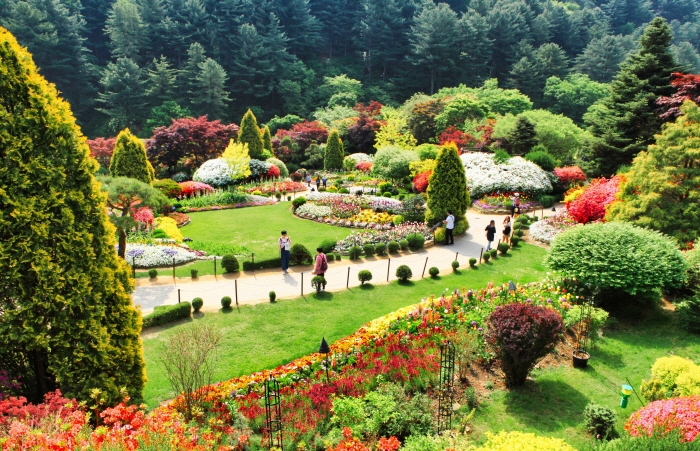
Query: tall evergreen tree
[129,159]
[523,137]
[661,189]
[476,47]
[188,75]
[156,22]
[625,122]
[212,96]
[508,27]
[161,81]
[381,36]
[126,30]
[267,140]
[253,66]
[66,308]
[124,95]
[686,56]
[249,133]
[601,58]
[299,25]
[335,153]
[447,187]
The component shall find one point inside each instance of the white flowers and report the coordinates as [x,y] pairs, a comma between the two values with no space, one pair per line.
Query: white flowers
[215,172]
[547,229]
[313,210]
[149,256]
[360,157]
[484,176]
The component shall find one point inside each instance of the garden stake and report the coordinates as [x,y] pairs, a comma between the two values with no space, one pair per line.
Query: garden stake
[133,266]
[178,295]
[173,269]
[215,266]
[426,264]
[302,284]
[456,256]
[347,283]
[235,285]
[481,254]
[387,269]
[635,392]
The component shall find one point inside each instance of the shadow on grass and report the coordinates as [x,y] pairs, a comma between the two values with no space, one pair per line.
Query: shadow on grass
[407,283]
[366,287]
[546,405]
[607,357]
[323,296]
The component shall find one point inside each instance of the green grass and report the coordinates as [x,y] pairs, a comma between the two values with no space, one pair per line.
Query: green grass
[552,405]
[268,335]
[255,228]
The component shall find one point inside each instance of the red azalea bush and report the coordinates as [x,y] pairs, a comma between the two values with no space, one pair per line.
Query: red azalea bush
[591,205]
[364,166]
[452,134]
[273,172]
[101,149]
[665,416]
[570,175]
[520,335]
[420,181]
[191,188]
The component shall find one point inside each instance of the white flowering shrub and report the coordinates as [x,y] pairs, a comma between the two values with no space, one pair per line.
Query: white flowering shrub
[151,256]
[215,172]
[360,157]
[547,229]
[312,210]
[484,176]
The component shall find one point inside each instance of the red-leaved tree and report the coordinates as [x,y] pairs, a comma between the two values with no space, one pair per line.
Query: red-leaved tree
[101,149]
[591,205]
[273,172]
[305,133]
[570,175]
[420,181]
[189,141]
[687,88]
[520,335]
[457,136]
[363,133]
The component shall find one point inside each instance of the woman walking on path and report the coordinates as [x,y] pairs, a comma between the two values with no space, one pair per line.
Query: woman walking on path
[506,229]
[321,263]
[490,233]
[285,245]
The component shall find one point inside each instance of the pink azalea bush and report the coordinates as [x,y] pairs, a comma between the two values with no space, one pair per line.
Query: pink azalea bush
[665,416]
[143,215]
[364,166]
[570,175]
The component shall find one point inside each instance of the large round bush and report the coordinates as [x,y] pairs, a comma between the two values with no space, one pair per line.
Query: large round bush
[214,172]
[485,176]
[300,255]
[520,335]
[618,257]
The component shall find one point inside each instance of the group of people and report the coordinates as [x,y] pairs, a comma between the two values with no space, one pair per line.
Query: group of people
[285,245]
[317,181]
[507,223]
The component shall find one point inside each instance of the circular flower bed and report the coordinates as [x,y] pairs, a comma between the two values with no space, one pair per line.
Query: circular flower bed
[501,203]
[151,256]
[347,210]
[485,176]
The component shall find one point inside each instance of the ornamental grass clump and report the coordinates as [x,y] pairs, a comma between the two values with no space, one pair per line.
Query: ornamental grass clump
[520,335]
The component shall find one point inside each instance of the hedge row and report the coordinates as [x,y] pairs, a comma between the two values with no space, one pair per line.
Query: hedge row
[167,313]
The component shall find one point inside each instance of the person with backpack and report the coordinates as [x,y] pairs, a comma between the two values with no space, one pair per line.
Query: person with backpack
[321,263]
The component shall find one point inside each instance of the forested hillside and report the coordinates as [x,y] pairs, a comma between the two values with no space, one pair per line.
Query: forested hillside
[137,63]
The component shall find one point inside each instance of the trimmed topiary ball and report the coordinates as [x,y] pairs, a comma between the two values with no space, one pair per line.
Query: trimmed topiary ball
[515,240]
[368,249]
[364,276]
[300,255]
[415,241]
[380,248]
[229,263]
[393,247]
[152,273]
[328,245]
[197,304]
[226,302]
[472,262]
[486,256]
[494,253]
[404,244]
[355,252]
[403,273]
[433,271]
[455,265]
[503,248]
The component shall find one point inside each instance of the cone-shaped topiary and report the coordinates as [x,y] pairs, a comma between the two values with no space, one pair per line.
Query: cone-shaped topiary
[335,153]
[64,292]
[267,140]
[447,187]
[249,133]
[129,159]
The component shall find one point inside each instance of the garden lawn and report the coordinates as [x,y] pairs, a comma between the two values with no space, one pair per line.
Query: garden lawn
[257,229]
[552,404]
[265,336]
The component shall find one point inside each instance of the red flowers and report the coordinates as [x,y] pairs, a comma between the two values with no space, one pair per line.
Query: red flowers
[590,205]
[570,175]
[190,188]
[364,166]
[420,181]
[682,414]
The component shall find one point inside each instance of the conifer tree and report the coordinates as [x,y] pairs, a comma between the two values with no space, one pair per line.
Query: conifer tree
[661,190]
[129,159]
[249,133]
[447,187]
[267,140]
[625,122]
[335,153]
[523,137]
[64,293]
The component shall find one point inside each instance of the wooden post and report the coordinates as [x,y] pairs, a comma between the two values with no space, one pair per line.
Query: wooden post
[302,284]
[481,254]
[388,266]
[235,285]
[178,295]
[456,256]
[424,266]
[173,269]
[133,266]
[215,266]
[253,254]
[347,283]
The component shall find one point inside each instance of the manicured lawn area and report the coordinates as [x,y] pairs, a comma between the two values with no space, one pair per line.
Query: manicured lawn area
[255,228]
[268,335]
[553,403]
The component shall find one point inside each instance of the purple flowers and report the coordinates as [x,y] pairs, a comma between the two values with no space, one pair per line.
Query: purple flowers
[170,252]
[134,253]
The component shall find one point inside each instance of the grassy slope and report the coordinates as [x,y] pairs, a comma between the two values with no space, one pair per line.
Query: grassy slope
[268,335]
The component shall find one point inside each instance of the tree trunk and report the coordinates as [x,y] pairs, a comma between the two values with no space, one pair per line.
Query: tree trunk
[122,243]
[40,373]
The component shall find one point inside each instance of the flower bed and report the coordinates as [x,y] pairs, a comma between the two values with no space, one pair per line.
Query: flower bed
[385,235]
[501,203]
[223,201]
[278,187]
[151,255]
[484,176]
[665,416]
[548,228]
[348,210]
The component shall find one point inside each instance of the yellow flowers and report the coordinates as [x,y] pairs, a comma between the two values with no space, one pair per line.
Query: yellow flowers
[369,216]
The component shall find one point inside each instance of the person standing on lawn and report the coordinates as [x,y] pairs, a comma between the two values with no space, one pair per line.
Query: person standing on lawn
[490,233]
[449,228]
[321,263]
[285,245]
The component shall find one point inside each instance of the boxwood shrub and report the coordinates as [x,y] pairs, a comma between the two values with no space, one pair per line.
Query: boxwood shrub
[368,249]
[300,255]
[164,314]
[197,304]
[393,247]
[403,273]
[433,271]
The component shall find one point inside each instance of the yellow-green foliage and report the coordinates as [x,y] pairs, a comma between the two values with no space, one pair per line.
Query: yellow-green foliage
[249,133]
[236,155]
[653,390]
[394,131]
[688,383]
[667,370]
[522,441]
[169,226]
[129,159]
[422,166]
[57,252]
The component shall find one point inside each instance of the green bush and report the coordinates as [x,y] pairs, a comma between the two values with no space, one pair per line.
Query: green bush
[618,258]
[693,258]
[515,240]
[455,265]
[197,304]
[461,226]
[433,271]
[404,244]
[298,202]
[368,249]
[344,190]
[380,248]
[159,234]
[500,156]
[519,233]
[542,159]
[364,276]
[355,252]
[164,314]
[274,262]
[386,194]
[600,421]
[393,247]
[494,253]
[193,273]
[416,241]
[152,273]
[330,256]
[272,296]
[328,245]
[229,263]
[403,273]
[440,235]
[689,314]
[337,256]
[472,262]
[318,283]
[300,255]
[226,302]
[503,248]
[547,200]
[398,220]
[486,256]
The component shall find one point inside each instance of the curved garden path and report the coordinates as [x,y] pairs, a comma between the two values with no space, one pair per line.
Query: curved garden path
[254,286]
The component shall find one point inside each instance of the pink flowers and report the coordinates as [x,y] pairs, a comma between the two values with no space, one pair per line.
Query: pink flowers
[364,166]
[190,188]
[590,205]
[570,175]
[143,215]
[665,416]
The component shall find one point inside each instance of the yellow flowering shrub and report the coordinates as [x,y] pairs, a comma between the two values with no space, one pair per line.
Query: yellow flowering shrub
[688,383]
[573,194]
[667,370]
[169,226]
[522,441]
